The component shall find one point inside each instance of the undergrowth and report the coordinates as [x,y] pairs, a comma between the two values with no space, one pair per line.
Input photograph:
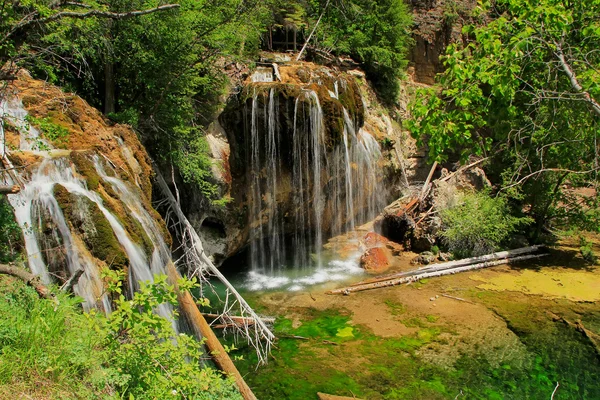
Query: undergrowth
[50,349]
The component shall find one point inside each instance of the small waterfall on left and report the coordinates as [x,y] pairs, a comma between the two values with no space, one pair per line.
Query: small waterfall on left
[56,187]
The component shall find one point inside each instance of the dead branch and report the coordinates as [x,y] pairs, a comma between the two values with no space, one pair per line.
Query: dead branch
[457,298]
[313,31]
[72,280]
[28,278]
[462,169]
[554,391]
[573,78]
[425,188]
[9,189]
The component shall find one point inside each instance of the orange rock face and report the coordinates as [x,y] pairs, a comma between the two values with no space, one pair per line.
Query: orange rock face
[373,239]
[375,260]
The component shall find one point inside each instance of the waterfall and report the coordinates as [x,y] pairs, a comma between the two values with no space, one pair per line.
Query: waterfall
[302,189]
[36,205]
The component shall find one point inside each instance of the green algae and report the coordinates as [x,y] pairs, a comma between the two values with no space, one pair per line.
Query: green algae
[372,367]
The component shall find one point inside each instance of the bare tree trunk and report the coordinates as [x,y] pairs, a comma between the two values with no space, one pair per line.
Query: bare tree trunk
[9,189]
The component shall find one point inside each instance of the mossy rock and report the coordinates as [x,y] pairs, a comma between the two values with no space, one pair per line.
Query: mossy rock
[94,228]
[85,167]
[135,230]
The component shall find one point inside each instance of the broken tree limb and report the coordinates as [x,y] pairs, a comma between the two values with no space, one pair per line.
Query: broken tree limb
[313,31]
[28,278]
[202,330]
[457,263]
[425,188]
[276,72]
[9,189]
[258,335]
[462,169]
[68,285]
[457,298]
[235,318]
[432,274]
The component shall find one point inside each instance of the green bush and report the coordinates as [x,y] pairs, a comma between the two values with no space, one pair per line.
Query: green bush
[10,232]
[478,225]
[587,251]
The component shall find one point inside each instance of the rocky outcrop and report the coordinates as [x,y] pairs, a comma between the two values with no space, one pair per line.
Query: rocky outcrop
[86,191]
[437,24]
[279,177]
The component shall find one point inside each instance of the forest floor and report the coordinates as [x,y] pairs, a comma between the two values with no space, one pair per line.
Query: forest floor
[504,333]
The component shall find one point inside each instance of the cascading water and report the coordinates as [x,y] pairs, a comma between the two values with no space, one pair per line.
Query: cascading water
[36,204]
[332,188]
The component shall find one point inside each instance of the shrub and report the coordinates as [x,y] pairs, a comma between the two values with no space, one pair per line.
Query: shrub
[50,349]
[478,224]
[587,251]
[10,232]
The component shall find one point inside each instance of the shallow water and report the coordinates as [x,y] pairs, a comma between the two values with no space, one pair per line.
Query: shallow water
[328,270]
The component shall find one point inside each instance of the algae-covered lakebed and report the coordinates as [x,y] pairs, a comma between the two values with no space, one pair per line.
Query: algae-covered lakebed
[516,332]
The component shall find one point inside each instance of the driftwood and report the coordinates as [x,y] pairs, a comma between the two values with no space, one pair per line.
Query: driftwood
[238,319]
[431,274]
[202,330]
[28,278]
[457,298]
[454,264]
[9,189]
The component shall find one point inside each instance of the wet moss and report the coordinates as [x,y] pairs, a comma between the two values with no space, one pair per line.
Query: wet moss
[135,230]
[86,168]
[94,228]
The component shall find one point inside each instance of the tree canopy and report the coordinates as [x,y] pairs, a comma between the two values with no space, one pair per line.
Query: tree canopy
[523,89]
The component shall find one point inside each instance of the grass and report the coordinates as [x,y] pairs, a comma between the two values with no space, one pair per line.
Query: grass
[47,348]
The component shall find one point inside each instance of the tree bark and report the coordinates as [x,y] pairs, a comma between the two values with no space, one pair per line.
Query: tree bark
[28,278]
[109,87]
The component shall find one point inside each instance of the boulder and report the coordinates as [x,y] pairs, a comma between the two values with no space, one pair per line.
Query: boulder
[375,260]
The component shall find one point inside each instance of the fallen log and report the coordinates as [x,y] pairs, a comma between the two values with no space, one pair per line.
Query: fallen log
[9,189]
[414,278]
[202,330]
[28,278]
[456,263]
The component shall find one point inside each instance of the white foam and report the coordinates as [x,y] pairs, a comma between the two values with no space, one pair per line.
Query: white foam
[335,270]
